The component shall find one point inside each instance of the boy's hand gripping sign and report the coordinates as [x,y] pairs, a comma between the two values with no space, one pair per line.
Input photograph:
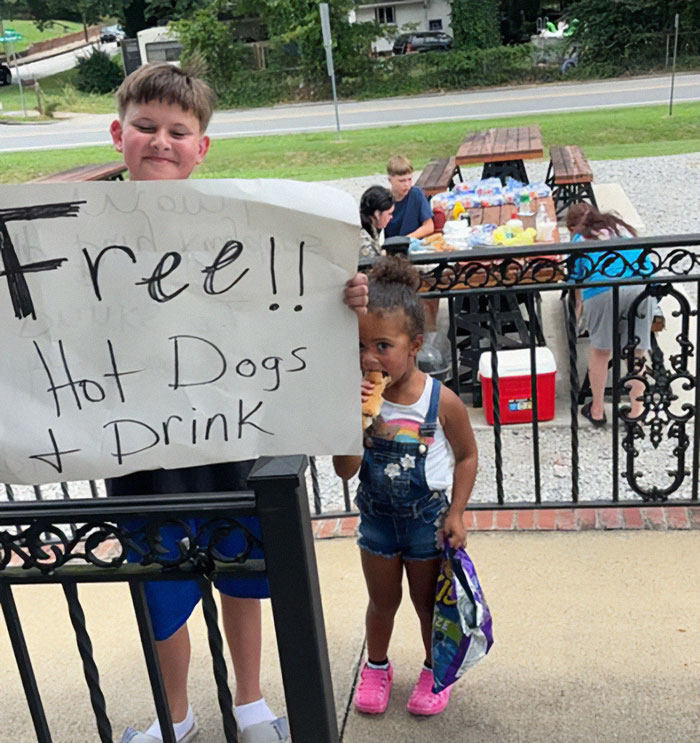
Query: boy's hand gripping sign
[170,324]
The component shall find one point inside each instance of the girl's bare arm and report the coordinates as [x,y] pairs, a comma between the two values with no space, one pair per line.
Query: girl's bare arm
[346,465]
[459,433]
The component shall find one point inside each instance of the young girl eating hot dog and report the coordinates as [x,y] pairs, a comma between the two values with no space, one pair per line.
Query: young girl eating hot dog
[419,445]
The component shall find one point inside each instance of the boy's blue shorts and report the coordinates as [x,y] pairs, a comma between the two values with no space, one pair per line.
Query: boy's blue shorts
[170,602]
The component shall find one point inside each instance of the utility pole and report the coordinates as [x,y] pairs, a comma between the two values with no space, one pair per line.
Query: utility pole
[673,72]
[328,46]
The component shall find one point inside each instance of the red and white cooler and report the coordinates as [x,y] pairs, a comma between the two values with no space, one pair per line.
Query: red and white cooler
[514,384]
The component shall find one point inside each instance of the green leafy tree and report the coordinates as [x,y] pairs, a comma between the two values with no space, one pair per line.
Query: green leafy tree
[629,34]
[475,24]
[9,10]
[296,26]
[88,12]
[294,32]
[172,10]
[133,17]
[204,37]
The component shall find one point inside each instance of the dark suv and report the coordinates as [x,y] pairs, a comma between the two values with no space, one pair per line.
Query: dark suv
[111,33]
[5,74]
[422,41]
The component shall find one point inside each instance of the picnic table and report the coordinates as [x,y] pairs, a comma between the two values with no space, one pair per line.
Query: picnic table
[499,215]
[112,171]
[502,150]
[475,313]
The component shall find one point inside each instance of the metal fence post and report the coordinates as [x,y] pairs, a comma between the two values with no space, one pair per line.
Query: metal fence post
[24,664]
[283,509]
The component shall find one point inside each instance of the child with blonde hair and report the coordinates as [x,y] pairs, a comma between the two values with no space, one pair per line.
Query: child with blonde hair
[412,214]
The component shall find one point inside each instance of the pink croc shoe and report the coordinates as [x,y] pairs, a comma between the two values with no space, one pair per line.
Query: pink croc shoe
[373,691]
[423,701]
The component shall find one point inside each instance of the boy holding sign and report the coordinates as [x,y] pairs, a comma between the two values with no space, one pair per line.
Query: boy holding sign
[163,116]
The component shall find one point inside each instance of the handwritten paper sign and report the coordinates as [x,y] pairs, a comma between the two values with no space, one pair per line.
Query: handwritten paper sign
[170,324]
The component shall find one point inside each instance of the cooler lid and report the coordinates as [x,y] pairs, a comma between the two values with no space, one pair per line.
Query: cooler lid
[516,362]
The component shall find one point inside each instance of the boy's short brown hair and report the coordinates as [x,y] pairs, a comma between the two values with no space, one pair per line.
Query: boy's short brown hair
[399,165]
[166,82]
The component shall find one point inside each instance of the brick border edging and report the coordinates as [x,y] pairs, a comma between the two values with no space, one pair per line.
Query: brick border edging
[656,518]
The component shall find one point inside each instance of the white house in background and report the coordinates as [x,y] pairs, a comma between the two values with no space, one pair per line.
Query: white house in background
[421,15]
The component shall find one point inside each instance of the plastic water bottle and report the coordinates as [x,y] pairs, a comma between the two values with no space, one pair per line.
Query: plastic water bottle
[524,205]
[543,224]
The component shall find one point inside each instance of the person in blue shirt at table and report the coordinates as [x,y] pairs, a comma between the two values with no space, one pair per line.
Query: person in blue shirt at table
[412,214]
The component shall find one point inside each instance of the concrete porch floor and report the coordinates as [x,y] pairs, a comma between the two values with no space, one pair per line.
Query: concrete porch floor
[596,639]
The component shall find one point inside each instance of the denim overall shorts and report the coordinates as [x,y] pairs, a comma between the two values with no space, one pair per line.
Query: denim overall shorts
[399,514]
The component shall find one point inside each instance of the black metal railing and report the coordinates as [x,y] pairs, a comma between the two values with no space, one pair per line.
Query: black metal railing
[478,282]
[37,546]
[494,302]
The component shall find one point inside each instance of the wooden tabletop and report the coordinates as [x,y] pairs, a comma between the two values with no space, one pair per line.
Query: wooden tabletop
[93,172]
[500,145]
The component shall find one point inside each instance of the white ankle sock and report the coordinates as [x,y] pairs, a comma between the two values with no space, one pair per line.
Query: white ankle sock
[378,666]
[253,713]
[180,728]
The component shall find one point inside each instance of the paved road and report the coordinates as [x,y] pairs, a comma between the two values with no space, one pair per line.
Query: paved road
[495,102]
[52,65]
[58,63]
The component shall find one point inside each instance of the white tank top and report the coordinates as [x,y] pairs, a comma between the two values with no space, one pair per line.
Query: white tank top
[439,463]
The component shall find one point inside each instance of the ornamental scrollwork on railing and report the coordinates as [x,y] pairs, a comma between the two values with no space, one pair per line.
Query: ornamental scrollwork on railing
[660,414]
[504,272]
[48,546]
[489,269]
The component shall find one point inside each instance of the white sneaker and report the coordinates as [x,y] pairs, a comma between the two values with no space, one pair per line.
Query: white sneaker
[270,731]
[133,736]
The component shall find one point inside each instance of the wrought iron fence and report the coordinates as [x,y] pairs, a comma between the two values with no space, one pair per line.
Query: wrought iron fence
[494,301]
[76,555]
[505,280]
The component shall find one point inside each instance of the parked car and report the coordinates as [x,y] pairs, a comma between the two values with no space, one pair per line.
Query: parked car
[5,74]
[422,41]
[111,33]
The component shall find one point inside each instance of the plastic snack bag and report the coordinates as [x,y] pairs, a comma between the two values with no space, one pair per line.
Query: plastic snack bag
[539,190]
[462,627]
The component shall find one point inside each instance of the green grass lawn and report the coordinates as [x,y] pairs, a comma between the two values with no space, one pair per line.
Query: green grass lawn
[62,85]
[32,34]
[604,135]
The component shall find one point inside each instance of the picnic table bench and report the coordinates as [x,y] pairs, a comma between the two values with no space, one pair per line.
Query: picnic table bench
[438,176]
[502,150]
[570,177]
[94,172]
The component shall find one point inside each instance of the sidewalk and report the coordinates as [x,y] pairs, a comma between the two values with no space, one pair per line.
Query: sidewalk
[596,635]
